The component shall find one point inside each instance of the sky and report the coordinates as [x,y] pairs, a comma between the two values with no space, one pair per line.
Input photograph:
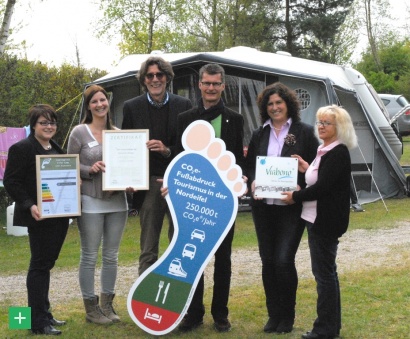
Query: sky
[52,28]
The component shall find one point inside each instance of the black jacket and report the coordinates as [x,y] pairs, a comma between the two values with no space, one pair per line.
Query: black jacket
[136,116]
[332,192]
[20,179]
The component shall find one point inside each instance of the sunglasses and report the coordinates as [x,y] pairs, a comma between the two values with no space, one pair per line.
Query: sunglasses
[151,76]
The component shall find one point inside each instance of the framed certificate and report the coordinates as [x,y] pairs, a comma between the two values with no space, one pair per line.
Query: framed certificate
[275,175]
[58,185]
[126,159]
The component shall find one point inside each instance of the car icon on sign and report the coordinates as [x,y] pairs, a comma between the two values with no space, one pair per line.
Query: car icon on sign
[199,234]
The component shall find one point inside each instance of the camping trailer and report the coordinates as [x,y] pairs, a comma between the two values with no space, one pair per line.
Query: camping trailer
[375,163]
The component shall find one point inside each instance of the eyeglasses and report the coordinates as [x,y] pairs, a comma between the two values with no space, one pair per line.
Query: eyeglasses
[208,84]
[151,76]
[46,123]
[323,123]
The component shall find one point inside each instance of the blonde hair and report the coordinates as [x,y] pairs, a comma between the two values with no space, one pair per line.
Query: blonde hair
[344,126]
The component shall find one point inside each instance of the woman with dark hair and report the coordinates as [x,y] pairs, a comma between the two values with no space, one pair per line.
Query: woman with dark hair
[46,236]
[103,214]
[279,227]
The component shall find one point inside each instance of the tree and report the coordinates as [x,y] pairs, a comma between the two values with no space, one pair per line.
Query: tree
[302,27]
[24,83]
[139,23]
[376,11]
[345,40]
[308,28]
[5,25]
[392,74]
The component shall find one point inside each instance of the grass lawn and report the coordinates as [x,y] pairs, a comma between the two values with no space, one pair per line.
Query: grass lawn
[375,301]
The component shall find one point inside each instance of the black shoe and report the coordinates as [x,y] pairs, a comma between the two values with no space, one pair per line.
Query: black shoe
[55,322]
[285,326]
[222,325]
[271,325]
[189,324]
[313,335]
[48,330]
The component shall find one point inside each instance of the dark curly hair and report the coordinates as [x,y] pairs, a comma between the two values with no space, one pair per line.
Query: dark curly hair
[287,94]
[163,66]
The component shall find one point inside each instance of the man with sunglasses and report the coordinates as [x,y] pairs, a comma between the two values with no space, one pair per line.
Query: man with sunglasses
[228,126]
[156,110]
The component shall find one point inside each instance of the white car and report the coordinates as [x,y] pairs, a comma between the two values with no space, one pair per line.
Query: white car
[199,234]
[394,104]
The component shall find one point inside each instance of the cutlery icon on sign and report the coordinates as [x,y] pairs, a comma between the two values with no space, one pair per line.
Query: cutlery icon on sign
[160,285]
[165,293]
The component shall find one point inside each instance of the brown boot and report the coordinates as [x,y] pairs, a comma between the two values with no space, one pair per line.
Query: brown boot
[107,308]
[94,313]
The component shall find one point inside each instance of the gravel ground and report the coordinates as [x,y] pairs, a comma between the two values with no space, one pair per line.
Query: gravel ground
[358,249]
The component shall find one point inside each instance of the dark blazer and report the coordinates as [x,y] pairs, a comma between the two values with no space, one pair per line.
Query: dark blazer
[231,131]
[20,179]
[332,192]
[136,116]
[306,146]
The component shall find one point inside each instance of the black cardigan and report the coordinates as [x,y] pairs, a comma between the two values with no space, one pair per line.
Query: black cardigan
[332,192]
[20,179]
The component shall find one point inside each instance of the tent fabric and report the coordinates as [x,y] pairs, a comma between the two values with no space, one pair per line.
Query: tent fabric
[376,168]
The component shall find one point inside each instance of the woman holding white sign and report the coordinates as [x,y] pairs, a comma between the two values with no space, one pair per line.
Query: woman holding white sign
[326,211]
[279,227]
[104,213]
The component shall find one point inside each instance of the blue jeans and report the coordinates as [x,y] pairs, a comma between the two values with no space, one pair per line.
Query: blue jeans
[95,228]
[45,247]
[279,230]
[323,251]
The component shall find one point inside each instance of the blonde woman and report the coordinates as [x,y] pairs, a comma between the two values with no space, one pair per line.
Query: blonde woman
[326,210]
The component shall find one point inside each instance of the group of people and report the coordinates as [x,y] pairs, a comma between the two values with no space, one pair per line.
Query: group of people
[321,203]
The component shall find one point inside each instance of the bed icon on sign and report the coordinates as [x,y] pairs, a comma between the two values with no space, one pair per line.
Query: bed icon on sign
[153,316]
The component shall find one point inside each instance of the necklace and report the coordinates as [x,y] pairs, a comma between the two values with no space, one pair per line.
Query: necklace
[278,129]
[47,147]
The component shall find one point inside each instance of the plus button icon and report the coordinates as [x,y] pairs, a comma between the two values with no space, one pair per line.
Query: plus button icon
[20,318]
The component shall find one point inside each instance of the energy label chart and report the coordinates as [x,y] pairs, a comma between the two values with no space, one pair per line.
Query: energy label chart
[58,185]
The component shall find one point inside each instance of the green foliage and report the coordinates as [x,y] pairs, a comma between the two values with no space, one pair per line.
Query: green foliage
[24,83]
[312,27]
[191,25]
[394,57]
